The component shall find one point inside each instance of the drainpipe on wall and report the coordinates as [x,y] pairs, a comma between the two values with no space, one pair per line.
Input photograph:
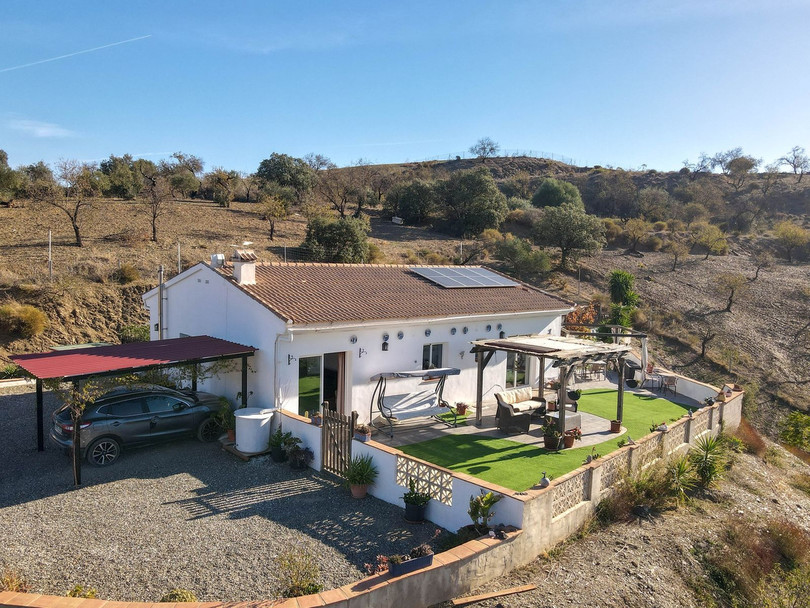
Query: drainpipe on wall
[160,302]
[283,337]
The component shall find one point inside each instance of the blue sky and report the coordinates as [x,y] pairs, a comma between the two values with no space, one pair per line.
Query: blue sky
[623,83]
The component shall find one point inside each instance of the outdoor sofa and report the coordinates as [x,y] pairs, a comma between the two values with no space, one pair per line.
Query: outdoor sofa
[517,407]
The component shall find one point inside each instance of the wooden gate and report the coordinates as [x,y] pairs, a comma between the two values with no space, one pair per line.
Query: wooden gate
[336,440]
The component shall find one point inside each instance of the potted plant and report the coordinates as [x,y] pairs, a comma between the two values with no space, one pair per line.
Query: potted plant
[316,418]
[419,557]
[552,440]
[572,435]
[615,426]
[226,419]
[551,406]
[362,432]
[574,395]
[300,458]
[277,441]
[360,474]
[461,408]
[415,503]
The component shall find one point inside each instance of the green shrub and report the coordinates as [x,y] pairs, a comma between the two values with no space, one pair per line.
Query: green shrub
[133,333]
[653,243]
[361,471]
[613,231]
[708,459]
[659,226]
[178,596]
[22,319]
[785,589]
[651,489]
[297,572]
[11,580]
[796,430]
[10,371]
[127,273]
[80,591]
[801,482]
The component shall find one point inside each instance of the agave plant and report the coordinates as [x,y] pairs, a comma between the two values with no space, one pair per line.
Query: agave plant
[708,459]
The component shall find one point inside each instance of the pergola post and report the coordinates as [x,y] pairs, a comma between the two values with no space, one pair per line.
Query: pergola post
[561,399]
[40,419]
[244,381]
[482,358]
[620,394]
[541,389]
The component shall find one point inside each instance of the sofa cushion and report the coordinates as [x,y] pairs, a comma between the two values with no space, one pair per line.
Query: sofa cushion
[516,395]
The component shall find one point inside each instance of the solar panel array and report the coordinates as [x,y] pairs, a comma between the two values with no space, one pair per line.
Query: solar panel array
[463,276]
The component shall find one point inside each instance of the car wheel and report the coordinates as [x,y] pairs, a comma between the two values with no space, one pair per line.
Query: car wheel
[209,430]
[103,452]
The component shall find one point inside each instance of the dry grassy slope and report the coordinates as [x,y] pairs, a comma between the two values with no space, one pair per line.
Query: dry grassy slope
[656,562]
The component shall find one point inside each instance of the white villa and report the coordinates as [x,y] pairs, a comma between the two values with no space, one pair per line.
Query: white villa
[323,330]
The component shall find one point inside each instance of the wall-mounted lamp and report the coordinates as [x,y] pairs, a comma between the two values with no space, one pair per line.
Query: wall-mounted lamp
[461,355]
[489,327]
[427,333]
[500,326]
[385,345]
[502,335]
[361,352]
[290,359]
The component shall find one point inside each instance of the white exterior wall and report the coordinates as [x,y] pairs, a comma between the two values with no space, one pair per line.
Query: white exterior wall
[406,354]
[202,302]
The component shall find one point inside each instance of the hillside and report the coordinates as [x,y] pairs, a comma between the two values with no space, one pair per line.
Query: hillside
[760,340]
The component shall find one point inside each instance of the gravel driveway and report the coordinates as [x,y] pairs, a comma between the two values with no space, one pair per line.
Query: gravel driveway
[183,515]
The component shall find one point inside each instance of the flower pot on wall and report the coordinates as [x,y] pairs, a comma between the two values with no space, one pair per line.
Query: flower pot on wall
[568,441]
[410,565]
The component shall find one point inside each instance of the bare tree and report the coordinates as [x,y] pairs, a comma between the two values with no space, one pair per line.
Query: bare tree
[272,208]
[155,193]
[761,259]
[485,148]
[798,161]
[79,185]
[701,167]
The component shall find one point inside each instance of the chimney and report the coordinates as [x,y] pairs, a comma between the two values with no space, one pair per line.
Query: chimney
[244,266]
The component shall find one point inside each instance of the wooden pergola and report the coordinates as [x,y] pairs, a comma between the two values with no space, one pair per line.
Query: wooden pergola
[565,352]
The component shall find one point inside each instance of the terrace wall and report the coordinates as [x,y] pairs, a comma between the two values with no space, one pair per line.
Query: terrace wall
[546,516]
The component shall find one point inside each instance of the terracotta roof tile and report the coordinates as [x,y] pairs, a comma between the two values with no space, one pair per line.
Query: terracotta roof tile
[307,293]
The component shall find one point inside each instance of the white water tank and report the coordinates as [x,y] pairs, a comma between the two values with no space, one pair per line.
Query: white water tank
[253,429]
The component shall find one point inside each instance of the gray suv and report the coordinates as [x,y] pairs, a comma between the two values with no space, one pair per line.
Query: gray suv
[128,417]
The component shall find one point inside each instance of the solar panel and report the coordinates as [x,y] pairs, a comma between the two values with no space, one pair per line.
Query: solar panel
[463,276]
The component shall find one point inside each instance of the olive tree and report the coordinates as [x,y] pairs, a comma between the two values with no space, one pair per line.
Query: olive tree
[472,202]
[571,230]
[554,192]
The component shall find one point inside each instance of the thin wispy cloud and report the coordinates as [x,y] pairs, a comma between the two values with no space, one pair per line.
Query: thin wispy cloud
[83,52]
[37,128]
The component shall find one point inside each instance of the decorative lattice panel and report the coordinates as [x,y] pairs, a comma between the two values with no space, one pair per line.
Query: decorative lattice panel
[700,423]
[614,468]
[648,451]
[426,479]
[571,492]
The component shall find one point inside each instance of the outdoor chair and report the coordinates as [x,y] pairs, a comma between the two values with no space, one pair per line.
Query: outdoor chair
[669,383]
[516,408]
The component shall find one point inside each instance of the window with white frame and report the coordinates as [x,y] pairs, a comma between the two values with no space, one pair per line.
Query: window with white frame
[432,356]
[516,369]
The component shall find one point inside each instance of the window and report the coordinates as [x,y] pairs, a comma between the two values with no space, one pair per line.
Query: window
[432,356]
[159,404]
[515,370]
[309,384]
[133,407]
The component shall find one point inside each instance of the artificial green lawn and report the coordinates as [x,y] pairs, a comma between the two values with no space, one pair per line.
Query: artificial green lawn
[519,466]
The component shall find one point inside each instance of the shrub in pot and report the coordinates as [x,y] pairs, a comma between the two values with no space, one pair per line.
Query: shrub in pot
[277,442]
[552,439]
[360,473]
[415,503]
[300,458]
[226,418]
[362,432]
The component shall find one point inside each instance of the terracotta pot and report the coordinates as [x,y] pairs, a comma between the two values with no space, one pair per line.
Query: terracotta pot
[358,491]
[568,441]
[231,435]
[552,443]
[615,426]
[461,410]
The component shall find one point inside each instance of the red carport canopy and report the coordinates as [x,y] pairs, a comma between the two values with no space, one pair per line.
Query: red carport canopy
[118,359]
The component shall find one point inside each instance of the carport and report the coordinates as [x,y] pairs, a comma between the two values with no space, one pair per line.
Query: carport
[118,359]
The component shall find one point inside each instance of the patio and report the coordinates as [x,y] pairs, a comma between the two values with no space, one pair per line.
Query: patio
[517,461]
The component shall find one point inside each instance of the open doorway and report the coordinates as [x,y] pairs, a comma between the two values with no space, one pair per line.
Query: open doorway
[321,378]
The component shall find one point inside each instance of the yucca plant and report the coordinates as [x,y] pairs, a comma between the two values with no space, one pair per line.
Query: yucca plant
[708,459]
[682,475]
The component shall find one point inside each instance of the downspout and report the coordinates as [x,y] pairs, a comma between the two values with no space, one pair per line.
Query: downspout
[287,336]
[161,291]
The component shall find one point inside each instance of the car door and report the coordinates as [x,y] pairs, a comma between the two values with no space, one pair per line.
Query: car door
[169,416]
[129,420]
